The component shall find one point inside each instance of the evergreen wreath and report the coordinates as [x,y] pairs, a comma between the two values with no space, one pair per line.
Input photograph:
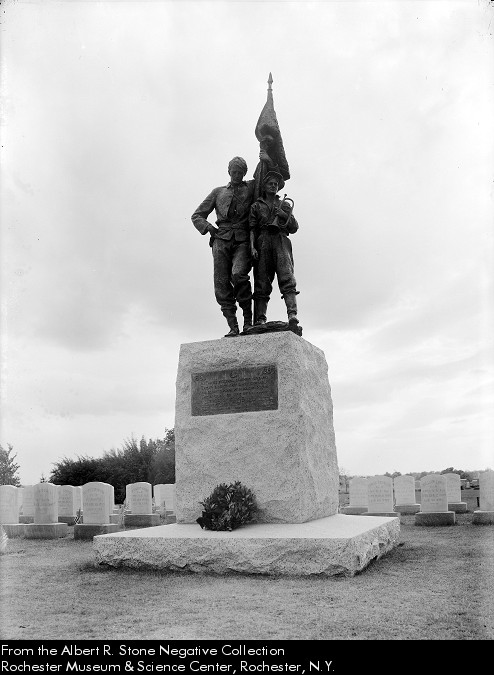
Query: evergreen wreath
[228,507]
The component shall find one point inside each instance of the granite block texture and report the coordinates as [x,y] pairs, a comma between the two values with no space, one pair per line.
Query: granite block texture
[287,456]
[336,545]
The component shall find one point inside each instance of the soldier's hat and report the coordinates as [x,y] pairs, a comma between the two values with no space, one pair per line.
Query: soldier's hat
[278,176]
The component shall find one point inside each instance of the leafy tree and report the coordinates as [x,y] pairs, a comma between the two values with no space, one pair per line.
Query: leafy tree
[152,461]
[8,467]
[77,471]
[163,467]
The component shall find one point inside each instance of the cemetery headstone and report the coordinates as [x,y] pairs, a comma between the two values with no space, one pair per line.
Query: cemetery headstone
[380,496]
[27,515]
[434,502]
[159,497]
[67,509]
[45,503]
[141,506]
[9,505]
[453,490]
[9,511]
[404,494]
[169,493]
[484,515]
[359,501]
[46,525]
[96,500]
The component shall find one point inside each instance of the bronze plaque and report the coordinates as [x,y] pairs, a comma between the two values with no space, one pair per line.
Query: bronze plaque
[235,390]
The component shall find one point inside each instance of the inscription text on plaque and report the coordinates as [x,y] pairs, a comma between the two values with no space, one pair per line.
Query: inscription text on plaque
[235,390]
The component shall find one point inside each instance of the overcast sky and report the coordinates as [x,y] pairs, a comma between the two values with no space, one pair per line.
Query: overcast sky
[118,118]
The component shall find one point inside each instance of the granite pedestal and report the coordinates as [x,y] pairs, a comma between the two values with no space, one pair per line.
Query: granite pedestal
[256,409]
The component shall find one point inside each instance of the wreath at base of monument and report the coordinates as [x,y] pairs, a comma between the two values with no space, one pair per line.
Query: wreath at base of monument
[228,507]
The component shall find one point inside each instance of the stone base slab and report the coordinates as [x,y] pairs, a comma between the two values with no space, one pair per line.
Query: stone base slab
[483,518]
[142,519]
[382,514]
[115,518]
[334,545]
[407,508]
[435,518]
[354,510]
[457,507]
[26,519]
[14,530]
[82,531]
[46,530]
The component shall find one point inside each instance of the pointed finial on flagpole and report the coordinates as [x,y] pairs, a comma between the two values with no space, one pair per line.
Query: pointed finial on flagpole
[270,81]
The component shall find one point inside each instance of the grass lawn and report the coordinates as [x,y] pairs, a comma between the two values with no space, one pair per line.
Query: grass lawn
[438,584]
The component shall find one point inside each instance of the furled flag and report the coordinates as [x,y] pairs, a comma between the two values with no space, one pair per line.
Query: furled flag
[269,136]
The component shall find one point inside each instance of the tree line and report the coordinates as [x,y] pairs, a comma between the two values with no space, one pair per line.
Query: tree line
[150,460]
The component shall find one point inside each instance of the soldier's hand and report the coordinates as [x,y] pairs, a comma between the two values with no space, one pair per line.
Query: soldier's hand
[211,229]
[280,213]
[264,157]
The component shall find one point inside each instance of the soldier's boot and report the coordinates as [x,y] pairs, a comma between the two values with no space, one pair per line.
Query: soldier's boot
[291,308]
[260,309]
[247,311]
[233,325]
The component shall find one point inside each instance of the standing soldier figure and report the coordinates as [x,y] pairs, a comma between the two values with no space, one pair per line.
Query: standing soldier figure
[230,243]
[271,222]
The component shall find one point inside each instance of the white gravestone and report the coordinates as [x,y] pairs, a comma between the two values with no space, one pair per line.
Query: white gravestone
[170,496]
[66,501]
[28,501]
[159,496]
[380,494]
[358,492]
[20,498]
[96,502]
[404,489]
[433,494]
[45,504]
[9,505]
[486,487]
[111,491]
[140,497]
[453,487]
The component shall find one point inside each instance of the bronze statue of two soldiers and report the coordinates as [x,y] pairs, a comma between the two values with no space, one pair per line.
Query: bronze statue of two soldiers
[252,232]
